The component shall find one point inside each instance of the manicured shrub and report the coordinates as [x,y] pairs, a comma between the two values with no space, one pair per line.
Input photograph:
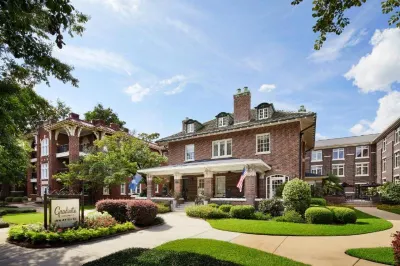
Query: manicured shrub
[3,224]
[205,212]
[318,215]
[261,216]
[141,212]
[389,193]
[116,208]
[343,215]
[9,199]
[279,190]
[17,199]
[242,211]
[272,206]
[297,196]
[318,201]
[396,247]
[225,207]
[163,208]
[25,198]
[214,205]
[290,217]
[99,219]
[17,193]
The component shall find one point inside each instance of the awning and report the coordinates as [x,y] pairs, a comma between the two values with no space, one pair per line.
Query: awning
[198,167]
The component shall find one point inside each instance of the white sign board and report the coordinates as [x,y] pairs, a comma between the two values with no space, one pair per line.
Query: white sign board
[64,212]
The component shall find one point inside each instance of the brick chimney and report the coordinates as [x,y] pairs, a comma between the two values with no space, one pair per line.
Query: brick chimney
[114,126]
[98,122]
[184,124]
[74,116]
[242,106]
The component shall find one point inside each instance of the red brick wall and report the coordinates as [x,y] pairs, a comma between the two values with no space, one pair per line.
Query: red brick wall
[391,148]
[242,107]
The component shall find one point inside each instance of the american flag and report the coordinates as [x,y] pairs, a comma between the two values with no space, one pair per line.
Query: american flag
[242,177]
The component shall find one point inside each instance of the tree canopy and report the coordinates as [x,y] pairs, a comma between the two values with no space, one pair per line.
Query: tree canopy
[331,17]
[106,114]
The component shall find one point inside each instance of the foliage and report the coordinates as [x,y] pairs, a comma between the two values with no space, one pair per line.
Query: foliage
[242,211]
[3,224]
[17,199]
[163,208]
[214,205]
[316,191]
[365,224]
[331,17]
[296,195]
[389,208]
[141,212]
[290,217]
[99,219]
[205,212]
[193,252]
[381,255]
[318,201]
[279,190]
[26,47]
[390,193]
[396,247]
[318,215]
[272,206]
[225,207]
[116,208]
[261,216]
[342,215]
[38,235]
[107,115]
[331,185]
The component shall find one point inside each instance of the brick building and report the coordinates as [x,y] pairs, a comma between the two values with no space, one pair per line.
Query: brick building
[208,158]
[56,144]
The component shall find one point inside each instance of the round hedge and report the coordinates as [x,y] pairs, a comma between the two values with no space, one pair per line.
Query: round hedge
[319,215]
[225,207]
[214,205]
[297,196]
[242,211]
[318,201]
[343,215]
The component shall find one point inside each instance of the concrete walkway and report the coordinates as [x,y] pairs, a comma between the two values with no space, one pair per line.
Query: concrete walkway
[311,250]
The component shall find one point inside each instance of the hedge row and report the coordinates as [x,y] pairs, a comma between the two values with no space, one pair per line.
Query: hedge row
[318,201]
[226,211]
[16,199]
[8,210]
[329,215]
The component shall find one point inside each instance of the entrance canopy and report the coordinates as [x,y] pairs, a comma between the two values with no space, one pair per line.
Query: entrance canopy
[198,167]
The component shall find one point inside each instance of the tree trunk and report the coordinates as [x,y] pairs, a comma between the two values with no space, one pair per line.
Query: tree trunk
[5,190]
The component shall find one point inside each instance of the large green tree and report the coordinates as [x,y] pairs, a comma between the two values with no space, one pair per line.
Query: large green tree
[106,114]
[331,18]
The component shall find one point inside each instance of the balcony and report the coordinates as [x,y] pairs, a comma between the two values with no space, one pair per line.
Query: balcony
[33,178]
[62,150]
[33,157]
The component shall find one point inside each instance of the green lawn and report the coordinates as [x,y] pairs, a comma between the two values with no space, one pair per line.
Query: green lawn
[193,252]
[390,208]
[365,224]
[23,218]
[89,207]
[380,255]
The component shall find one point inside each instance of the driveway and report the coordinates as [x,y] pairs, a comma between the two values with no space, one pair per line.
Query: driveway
[311,250]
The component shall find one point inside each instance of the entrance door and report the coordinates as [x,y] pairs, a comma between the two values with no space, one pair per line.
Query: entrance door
[185,186]
[200,186]
[220,186]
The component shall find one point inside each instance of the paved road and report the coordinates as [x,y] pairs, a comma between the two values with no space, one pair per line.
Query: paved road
[311,250]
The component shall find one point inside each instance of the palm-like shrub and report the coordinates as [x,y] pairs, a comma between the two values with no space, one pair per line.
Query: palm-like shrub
[297,196]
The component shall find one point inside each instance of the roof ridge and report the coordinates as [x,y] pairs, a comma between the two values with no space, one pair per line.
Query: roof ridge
[350,137]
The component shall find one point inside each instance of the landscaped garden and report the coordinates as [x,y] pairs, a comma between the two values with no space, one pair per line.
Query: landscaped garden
[193,252]
[295,214]
[381,255]
[389,208]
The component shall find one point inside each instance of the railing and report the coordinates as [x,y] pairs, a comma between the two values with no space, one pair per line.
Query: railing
[62,148]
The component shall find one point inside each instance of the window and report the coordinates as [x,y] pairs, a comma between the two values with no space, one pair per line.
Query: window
[397,136]
[190,128]
[200,186]
[384,144]
[338,154]
[316,169]
[222,121]
[263,143]
[44,171]
[397,180]
[263,113]
[383,180]
[362,152]
[316,156]
[220,186]
[157,188]
[397,159]
[338,169]
[222,148]
[106,190]
[44,151]
[137,190]
[123,189]
[383,165]
[362,169]
[189,152]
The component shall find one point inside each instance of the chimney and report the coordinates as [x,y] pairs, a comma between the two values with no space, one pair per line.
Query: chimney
[74,116]
[114,126]
[98,122]
[184,124]
[302,109]
[242,106]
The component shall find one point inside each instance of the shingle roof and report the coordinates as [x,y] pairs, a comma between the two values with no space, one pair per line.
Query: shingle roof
[347,141]
[211,126]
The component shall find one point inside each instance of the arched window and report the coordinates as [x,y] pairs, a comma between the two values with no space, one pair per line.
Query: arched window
[274,181]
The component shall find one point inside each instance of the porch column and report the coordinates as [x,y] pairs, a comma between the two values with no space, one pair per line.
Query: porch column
[149,186]
[250,186]
[178,185]
[208,184]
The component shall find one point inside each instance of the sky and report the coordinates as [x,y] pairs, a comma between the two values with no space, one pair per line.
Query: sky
[156,62]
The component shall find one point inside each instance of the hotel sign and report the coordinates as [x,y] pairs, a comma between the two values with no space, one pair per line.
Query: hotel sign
[64,212]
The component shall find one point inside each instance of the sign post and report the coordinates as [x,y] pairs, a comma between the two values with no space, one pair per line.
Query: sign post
[64,210]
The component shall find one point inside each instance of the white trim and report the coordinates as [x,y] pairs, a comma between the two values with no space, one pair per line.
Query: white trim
[200,191]
[361,164]
[269,143]
[190,127]
[325,156]
[122,191]
[316,151]
[338,150]
[224,120]
[62,154]
[186,153]
[216,187]
[350,154]
[362,147]
[219,146]
[339,164]
[276,177]
[360,183]
[33,160]
[106,190]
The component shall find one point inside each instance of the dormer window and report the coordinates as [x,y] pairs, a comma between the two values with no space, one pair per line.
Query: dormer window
[222,121]
[190,128]
[263,113]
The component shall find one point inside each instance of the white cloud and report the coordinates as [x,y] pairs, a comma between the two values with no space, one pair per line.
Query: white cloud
[379,69]
[176,90]
[174,79]
[254,64]
[137,92]
[267,87]
[332,48]
[123,7]
[318,136]
[173,85]
[97,59]
[388,112]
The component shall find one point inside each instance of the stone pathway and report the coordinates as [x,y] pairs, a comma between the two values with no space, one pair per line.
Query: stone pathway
[311,250]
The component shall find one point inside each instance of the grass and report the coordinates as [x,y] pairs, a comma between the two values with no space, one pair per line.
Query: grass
[365,224]
[380,255]
[23,218]
[390,208]
[193,252]
[89,207]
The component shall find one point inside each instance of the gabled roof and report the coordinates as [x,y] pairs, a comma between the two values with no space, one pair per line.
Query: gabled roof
[392,126]
[210,127]
[346,141]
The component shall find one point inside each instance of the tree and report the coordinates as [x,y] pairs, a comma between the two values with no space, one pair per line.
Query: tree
[331,185]
[61,110]
[26,27]
[107,115]
[331,18]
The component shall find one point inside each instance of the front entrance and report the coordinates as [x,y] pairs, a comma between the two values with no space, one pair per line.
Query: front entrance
[185,188]
[200,186]
[274,182]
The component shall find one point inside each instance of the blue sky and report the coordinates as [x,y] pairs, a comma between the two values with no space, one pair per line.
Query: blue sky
[157,62]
